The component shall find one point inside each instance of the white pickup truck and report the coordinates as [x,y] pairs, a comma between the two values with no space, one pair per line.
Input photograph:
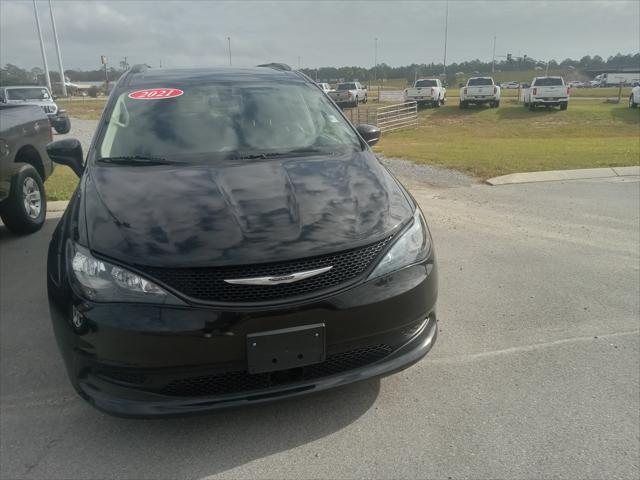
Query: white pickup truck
[480,90]
[548,92]
[325,87]
[427,91]
[349,94]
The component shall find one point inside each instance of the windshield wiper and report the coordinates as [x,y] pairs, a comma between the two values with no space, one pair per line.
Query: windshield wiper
[136,160]
[251,156]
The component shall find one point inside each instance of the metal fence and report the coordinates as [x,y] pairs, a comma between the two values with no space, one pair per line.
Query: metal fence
[387,118]
[394,117]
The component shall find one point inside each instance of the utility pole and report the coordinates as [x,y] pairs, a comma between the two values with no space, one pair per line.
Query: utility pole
[375,58]
[446,32]
[44,55]
[55,39]
[493,63]
[229,42]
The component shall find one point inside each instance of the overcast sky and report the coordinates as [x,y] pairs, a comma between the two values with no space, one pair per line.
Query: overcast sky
[322,33]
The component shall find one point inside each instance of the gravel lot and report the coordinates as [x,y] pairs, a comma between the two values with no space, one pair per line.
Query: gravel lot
[409,173]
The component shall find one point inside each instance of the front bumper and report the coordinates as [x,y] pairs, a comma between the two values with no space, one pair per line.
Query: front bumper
[137,360]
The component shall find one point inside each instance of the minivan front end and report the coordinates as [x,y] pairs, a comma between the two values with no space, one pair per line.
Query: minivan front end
[195,282]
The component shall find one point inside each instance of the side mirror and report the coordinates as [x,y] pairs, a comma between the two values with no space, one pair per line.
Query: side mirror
[370,133]
[67,152]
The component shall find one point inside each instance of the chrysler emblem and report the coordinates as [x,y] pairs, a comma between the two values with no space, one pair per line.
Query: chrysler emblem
[292,277]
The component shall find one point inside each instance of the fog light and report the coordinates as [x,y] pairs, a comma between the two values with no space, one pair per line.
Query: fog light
[77,318]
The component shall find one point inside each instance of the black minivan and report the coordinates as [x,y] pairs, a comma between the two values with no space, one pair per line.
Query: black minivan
[233,240]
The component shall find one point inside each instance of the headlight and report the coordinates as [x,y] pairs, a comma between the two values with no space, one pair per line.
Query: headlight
[101,281]
[414,245]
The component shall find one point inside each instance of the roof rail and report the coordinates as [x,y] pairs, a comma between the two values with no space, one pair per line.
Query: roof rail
[139,68]
[277,66]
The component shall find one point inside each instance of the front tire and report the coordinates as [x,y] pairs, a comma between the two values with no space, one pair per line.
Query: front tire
[63,126]
[25,209]
[564,106]
[365,99]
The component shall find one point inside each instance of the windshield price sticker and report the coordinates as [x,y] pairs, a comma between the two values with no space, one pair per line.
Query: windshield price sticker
[155,93]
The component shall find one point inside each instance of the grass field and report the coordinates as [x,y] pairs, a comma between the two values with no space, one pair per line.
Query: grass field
[487,142]
[85,108]
[484,142]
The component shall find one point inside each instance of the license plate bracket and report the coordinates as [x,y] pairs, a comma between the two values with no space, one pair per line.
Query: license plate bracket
[286,348]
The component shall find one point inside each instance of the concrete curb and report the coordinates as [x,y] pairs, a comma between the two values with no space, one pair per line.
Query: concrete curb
[559,175]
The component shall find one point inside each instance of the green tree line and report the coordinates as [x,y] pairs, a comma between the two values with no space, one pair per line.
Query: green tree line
[14,75]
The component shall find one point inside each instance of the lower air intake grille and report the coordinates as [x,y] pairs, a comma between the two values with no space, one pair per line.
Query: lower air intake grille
[208,283]
[242,381]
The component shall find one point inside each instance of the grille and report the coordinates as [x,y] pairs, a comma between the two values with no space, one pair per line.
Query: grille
[208,283]
[242,381]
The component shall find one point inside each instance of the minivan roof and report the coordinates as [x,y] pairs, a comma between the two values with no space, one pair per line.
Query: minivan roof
[188,75]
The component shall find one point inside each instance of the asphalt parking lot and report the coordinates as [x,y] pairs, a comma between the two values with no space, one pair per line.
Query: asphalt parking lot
[535,373]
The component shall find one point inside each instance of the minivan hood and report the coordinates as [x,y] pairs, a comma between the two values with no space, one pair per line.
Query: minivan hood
[235,214]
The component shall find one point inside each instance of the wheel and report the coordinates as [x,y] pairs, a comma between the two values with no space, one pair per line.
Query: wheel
[564,106]
[365,99]
[525,104]
[492,104]
[462,104]
[532,106]
[436,104]
[63,126]
[497,104]
[355,102]
[632,104]
[25,209]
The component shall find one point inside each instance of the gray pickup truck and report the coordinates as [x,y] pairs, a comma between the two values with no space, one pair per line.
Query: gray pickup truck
[37,95]
[24,166]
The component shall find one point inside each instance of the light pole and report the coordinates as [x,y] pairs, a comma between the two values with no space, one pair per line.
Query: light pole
[493,63]
[446,33]
[55,39]
[375,59]
[229,42]
[44,55]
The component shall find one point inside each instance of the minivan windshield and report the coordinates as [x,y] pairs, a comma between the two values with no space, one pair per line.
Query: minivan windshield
[480,81]
[426,83]
[227,120]
[36,93]
[548,82]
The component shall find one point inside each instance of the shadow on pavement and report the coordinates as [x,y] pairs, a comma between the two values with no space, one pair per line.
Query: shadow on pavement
[43,420]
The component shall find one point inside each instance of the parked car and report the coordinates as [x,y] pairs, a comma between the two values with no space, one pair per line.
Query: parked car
[24,166]
[634,98]
[510,85]
[577,84]
[427,91]
[40,96]
[548,92]
[233,240]
[325,87]
[480,90]
[349,94]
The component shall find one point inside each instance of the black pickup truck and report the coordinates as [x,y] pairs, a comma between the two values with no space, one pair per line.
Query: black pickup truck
[24,166]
